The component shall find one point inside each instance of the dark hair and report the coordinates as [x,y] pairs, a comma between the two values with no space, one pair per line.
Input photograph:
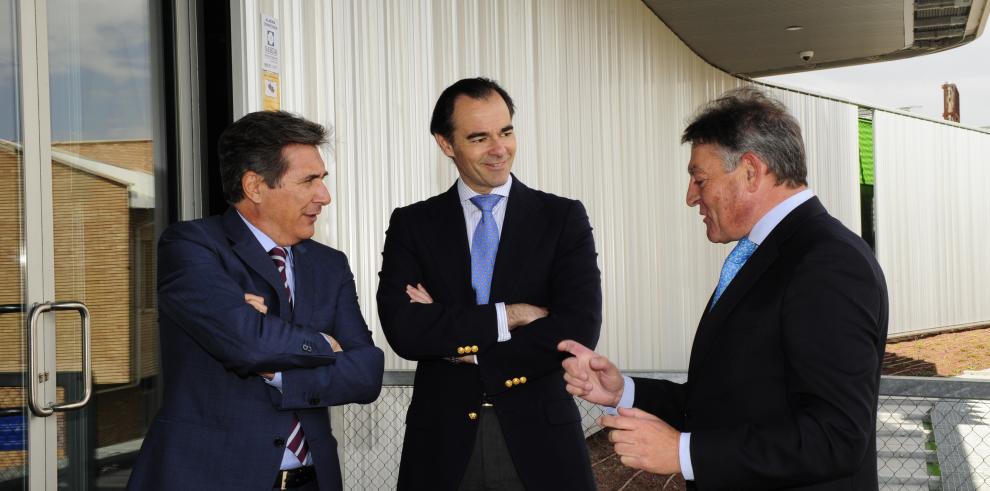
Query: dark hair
[255,143]
[746,120]
[475,88]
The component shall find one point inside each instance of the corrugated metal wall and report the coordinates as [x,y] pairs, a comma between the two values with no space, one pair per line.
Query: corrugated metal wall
[603,90]
[932,221]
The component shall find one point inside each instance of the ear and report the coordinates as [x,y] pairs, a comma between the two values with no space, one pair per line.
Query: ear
[445,145]
[755,168]
[251,184]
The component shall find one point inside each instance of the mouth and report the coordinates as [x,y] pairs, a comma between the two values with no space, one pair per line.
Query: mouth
[311,217]
[495,165]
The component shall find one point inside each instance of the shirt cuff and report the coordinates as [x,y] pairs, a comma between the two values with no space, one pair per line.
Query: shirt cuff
[627,399]
[684,453]
[503,323]
[276,381]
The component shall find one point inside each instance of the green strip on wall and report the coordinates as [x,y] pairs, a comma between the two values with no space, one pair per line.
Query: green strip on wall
[866,152]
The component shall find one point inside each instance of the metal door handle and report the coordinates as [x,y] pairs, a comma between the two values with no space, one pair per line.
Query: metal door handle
[39,407]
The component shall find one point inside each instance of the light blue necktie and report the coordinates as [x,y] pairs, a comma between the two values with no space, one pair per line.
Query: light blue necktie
[733,263]
[484,245]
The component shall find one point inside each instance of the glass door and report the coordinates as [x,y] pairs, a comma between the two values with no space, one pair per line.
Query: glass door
[13,403]
[79,217]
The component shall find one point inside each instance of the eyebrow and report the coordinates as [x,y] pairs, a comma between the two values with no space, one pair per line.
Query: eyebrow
[482,133]
[310,177]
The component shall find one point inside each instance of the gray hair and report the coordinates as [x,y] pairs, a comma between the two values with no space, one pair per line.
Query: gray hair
[747,120]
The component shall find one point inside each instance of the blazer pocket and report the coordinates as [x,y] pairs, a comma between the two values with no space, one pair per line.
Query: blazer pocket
[562,411]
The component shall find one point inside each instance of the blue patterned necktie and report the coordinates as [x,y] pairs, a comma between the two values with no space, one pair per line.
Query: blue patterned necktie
[484,245]
[733,263]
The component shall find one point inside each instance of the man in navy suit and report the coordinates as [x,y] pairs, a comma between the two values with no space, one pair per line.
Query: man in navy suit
[785,368]
[260,327]
[478,285]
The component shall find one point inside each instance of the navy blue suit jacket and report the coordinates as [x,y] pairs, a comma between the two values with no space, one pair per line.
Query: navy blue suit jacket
[546,256]
[784,374]
[220,425]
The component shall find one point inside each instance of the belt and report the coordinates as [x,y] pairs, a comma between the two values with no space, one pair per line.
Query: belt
[294,478]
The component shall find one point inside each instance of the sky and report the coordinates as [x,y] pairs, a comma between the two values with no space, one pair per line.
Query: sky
[914,83]
[99,70]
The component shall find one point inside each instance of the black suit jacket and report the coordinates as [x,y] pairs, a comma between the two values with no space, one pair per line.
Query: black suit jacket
[546,256]
[221,426]
[784,372]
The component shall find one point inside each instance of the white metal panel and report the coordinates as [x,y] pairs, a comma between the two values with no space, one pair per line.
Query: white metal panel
[932,231]
[603,90]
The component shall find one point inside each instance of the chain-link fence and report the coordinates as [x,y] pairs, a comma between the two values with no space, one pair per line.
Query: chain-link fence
[932,434]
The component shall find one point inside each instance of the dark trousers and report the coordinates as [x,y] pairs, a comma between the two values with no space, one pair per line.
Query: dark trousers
[490,466]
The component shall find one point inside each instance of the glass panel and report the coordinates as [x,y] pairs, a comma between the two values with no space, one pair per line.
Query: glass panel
[104,207]
[13,407]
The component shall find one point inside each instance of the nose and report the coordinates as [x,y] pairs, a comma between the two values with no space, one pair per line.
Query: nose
[693,196]
[498,148]
[323,195]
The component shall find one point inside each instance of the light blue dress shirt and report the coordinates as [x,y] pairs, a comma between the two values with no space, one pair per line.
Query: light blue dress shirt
[289,459]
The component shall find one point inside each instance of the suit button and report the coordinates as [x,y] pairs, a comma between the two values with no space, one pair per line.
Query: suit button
[516,381]
[472,415]
[460,350]
[279,442]
[522,380]
[314,401]
[508,383]
[474,349]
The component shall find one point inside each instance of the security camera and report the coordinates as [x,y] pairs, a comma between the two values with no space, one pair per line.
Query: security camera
[806,56]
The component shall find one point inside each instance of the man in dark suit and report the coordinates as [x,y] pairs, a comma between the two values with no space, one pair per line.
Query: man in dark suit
[478,285]
[260,327]
[784,372]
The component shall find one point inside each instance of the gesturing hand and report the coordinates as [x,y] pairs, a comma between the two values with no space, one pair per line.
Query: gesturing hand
[591,376]
[644,441]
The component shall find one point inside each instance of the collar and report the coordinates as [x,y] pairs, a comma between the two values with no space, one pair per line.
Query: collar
[465,193]
[773,217]
[266,242]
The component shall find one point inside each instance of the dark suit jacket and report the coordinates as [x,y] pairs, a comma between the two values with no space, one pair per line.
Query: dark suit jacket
[220,425]
[784,372]
[546,256]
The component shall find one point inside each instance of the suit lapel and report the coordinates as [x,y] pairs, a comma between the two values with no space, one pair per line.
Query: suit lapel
[451,245]
[247,247]
[712,322]
[523,226]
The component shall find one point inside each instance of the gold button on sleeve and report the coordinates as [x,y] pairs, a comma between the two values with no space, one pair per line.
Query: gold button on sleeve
[522,380]
[460,350]
[516,381]
[474,349]
[472,415]
[508,383]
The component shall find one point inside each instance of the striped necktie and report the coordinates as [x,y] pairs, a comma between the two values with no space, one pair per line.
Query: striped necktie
[296,443]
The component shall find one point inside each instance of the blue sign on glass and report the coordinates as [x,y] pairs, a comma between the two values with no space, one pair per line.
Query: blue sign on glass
[12,432]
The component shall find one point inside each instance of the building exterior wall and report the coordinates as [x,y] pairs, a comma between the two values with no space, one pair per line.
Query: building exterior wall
[932,231]
[602,90]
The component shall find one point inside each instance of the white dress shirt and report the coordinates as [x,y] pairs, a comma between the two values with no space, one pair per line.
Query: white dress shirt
[472,217]
[757,235]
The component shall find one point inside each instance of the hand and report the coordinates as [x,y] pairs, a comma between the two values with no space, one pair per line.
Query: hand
[257,302]
[591,376]
[644,441]
[333,343]
[418,294]
[520,314]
